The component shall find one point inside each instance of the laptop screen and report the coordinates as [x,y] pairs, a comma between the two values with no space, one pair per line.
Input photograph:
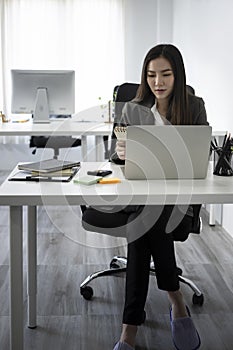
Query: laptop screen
[167,151]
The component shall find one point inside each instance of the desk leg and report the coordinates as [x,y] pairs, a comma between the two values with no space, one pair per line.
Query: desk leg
[16,277]
[84,147]
[32,266]
[98,148]
[213,218]
[212,215]
[213,207]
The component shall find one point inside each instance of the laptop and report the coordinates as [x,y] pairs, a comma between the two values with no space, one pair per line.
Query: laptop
[167,152]
[48,165]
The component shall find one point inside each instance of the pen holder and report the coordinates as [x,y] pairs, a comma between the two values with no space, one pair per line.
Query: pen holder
[223,162]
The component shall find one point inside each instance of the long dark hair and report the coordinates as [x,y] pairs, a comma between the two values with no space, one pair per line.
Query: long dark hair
[178,111]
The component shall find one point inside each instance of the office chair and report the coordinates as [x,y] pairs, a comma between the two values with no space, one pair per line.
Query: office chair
[53,142]
[124,93]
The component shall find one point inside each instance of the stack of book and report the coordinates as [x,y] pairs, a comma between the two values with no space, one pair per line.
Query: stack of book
[47,170]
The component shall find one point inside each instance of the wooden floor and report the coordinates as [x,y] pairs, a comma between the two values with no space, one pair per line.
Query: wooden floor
[66,254]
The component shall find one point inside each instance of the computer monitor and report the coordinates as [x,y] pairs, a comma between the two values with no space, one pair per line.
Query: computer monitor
[43,93]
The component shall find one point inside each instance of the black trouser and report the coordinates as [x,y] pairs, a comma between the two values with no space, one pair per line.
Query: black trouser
[160,245]
[156,243]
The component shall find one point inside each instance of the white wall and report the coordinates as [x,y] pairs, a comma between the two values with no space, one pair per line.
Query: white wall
[140,35]
[147,23]
[203,30]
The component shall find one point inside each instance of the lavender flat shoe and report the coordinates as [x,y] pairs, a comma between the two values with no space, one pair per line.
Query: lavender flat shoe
[122,346]
[184,333]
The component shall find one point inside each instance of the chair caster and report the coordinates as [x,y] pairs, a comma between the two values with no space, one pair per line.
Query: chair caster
[198,299]
[118,262]
[114,265]
[87,292]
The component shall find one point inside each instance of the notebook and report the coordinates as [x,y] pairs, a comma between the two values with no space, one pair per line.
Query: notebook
[167,152]
[47,166]
[45,177]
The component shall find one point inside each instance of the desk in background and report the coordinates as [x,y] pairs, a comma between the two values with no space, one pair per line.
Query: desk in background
[213,189]
[67,127]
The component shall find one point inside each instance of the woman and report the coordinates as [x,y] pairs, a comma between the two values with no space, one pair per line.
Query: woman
[162,98]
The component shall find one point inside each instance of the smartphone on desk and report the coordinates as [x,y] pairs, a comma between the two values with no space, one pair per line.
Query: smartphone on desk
[99,172]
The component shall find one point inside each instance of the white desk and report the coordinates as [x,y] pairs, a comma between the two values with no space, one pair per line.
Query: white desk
[62,128]
[75,127]
[213,189]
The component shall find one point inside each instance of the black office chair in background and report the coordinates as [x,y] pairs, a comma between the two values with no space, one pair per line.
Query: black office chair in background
[106,137]
[53,142]
[124,93]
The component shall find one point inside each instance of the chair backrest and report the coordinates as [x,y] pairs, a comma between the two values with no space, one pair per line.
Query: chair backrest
[121,94]
[190,89]
[124,93]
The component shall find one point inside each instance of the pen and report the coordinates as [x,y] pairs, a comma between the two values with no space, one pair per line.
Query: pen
[224,140]
[47,179]
[215,141]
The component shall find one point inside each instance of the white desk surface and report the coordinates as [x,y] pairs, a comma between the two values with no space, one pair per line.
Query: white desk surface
[55,127]
[69,126]
[213,189]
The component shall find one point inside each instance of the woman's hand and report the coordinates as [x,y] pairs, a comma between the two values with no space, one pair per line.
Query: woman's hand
[120,149]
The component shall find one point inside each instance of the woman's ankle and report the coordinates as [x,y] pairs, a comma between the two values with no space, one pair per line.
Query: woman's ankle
[128,334]
[178,304]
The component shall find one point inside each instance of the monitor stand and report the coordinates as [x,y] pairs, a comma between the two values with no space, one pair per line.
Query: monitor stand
[41,111]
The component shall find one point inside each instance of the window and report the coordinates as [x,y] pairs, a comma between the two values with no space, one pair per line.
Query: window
[83,35]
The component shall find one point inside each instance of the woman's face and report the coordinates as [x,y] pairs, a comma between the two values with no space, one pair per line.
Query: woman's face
[160,78]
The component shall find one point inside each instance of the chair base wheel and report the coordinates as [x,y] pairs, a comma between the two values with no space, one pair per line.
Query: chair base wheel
[198,299]
[87,292]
